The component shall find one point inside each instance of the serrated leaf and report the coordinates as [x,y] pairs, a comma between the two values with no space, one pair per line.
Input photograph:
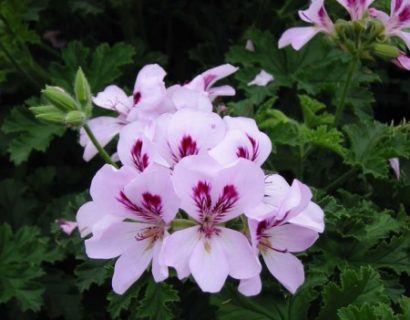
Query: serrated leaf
[157,302]
[322,136]
[29,134]
[356,288]
[311,111]
[91,272]
[366,312]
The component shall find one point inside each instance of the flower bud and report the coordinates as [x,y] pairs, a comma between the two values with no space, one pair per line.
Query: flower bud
[61,99]
[82,91]
[385,51]
[75,118]
[48,113]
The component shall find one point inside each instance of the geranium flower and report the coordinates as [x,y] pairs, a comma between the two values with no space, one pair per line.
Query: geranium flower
[147,102]
[212,195]
[398,20]
[276,240]
[242,140]
[148,204]
[67,226]
[356,8]
[316,14]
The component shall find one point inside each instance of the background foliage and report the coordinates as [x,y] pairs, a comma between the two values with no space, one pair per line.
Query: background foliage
[360,267]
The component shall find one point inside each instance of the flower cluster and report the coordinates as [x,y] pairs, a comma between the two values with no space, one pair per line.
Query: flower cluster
[190,193]
[375,30]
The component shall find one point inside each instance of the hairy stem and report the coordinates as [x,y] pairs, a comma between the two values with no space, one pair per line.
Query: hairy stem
[341,105]
[97,145]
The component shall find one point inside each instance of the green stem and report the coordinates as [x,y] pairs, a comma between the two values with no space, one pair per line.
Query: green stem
[341,105]
[340,180]
[97,145]
[178,224]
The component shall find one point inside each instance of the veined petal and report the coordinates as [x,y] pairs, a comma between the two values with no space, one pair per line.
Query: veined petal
[114,240]
[213,75]
[114,98]
[104,129]
[286,268]
[178,248]
[291,238]
[250,287]
[312,218]
[243,262]
[296,200]
[297,37]
[131,265]
[208,265]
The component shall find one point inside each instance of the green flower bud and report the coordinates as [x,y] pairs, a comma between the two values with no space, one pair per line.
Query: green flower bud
[82,91]
[385,51]
[61,99]
[75,118]
[48,113]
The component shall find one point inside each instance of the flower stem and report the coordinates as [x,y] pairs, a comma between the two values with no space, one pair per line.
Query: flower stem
[97,145]
[178,224]
[340,180]
[341,105]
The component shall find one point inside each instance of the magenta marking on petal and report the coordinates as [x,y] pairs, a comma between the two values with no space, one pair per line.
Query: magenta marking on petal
[151,208]
[208,79]
[141,160]
[187,147]
[226,201]
[137,97]
[404,15]
[243,152]
[202,197]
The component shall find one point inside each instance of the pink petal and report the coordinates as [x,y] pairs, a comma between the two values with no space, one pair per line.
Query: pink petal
[261,79]
[250,287]
[250,46]
[208,265]
[131,265]
[67,226]
[186,98]
[286,268]
[402,61]
[312,218]
[153,189]
[178,249]
[217,73]
[242,261]
[114,240]
[104,129]
[221,91]
[159,269]
[405,36]
[296,200]
[297,37]
[291,238]
[114,98]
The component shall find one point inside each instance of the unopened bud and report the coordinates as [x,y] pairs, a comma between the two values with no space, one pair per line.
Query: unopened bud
[61,99]
[82,91]
[385,51]
[75,118]
[48,113]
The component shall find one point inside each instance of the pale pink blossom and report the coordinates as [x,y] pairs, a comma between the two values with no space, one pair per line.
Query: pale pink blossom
[398,20]
[289,202]
[242,140]
[212,195]
[402,61]
[356,8]
[316,14]
[262,79]
[149,204]
[187,132]
[395,165]
[276,240]
[67,226]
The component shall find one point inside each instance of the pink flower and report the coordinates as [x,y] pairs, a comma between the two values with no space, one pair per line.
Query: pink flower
[105,209]
[261,79]
[398,20]
[356,8]
[395,165]
[148,101]
[67,226]
[316,14]
[187,132]
[276,240]
[242,140]
[149,204]
[289,203]
[402,61]
[212,195]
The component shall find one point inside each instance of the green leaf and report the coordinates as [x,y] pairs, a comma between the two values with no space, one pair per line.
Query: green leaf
[357,288]
[21,256]
[91,272]
[311,111]
[366,312]
[157,302]
[29,134]
[322,136]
